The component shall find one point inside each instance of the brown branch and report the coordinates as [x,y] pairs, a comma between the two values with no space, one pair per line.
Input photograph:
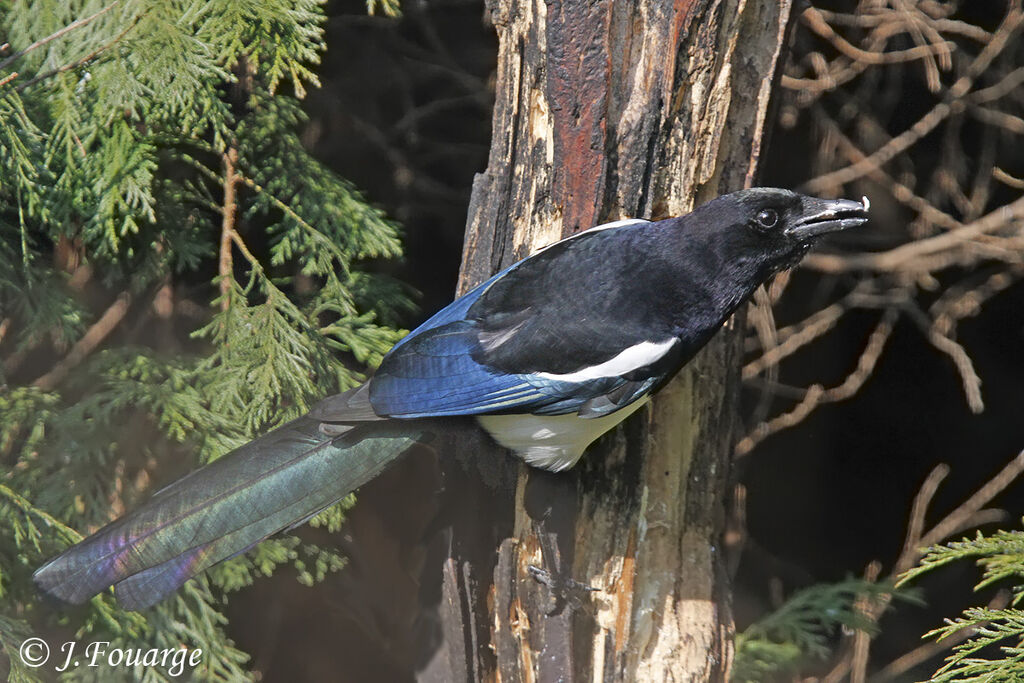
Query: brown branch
[794,337]
[901,192]
[8,78]
[963,301]
[961,359]
[57,34]
[930,120]
[761,317]
[92,338]
[884,24]
[917,29]
[860,654]
[954,26]
[817,395]
[1007,85]
[227,227]
[814,19]
[79,278]
[1000,119]
[917,539]
[919,511]
[1007,179]
[982,185]
[955,521]
[884,154]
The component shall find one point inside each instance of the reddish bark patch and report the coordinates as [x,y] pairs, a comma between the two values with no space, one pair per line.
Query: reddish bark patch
[577,86]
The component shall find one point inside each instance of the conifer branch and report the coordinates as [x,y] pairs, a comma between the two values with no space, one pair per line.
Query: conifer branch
[227,227]
[970,512]
[57,34]
[23,504]
[92,338]
[287,210]
[114,183]
[77,63]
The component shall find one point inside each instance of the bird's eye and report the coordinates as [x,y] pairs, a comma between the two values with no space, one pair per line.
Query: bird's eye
[767,218]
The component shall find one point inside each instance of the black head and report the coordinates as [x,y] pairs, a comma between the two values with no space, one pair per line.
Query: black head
[766,229]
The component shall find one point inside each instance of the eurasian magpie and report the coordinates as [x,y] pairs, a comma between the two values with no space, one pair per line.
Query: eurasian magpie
[547,355]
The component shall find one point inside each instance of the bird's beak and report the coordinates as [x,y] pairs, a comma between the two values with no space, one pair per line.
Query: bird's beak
[822,216]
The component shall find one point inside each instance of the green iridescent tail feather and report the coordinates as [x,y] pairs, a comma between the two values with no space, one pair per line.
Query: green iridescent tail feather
[268,485]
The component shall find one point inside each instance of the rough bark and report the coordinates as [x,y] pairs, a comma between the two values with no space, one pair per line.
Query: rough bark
[606,110]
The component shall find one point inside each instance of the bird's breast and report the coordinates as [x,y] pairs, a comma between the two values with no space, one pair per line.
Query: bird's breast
[552,442]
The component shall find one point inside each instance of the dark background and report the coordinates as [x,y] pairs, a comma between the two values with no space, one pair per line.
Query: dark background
[404,113]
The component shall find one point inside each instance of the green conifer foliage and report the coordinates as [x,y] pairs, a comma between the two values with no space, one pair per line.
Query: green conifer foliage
[989,640]
[177,274]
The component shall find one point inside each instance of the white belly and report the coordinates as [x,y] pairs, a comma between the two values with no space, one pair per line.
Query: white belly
[552,442]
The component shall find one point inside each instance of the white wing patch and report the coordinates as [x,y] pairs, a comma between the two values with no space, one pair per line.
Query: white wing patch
[633,358]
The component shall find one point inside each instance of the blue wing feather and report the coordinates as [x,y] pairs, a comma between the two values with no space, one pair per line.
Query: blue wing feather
[453,312]
[433,374]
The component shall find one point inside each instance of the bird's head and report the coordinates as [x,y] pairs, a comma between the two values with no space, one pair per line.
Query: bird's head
[764,230]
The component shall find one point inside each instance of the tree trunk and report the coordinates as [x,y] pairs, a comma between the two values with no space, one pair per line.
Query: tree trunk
[606,110]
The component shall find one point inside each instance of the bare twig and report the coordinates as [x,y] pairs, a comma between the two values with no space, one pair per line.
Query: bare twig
[794,337]
[816,394]
[813,18]
[930,120]
[1006,85]
[92,338]
[923,499]
[1008,122]
[860,653]
[762,319]
[961,359]
[227,226]
[1007,179]
[965,300]
[955,521]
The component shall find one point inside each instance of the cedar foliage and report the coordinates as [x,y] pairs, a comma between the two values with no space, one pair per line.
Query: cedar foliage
[992,638]
[803,630]
[125,127]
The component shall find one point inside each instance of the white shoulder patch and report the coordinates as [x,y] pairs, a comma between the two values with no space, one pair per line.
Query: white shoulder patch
[614,224]
[597,228]
[632,358]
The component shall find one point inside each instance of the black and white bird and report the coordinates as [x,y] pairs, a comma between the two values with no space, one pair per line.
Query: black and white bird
[547,355]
